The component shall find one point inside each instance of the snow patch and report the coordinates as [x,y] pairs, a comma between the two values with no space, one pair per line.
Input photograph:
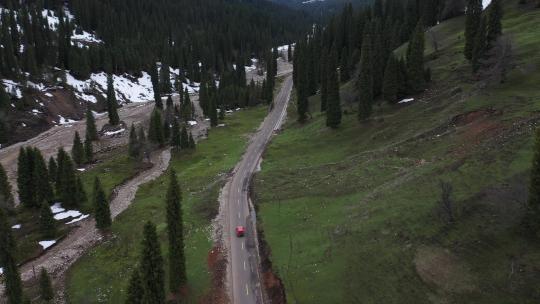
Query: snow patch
[115,132]
[64,121]
[407,100]
[486,3]
[57,208]
[18,226]
[13,88]
[46,244]
[67,214]
[192,122]
[82,217]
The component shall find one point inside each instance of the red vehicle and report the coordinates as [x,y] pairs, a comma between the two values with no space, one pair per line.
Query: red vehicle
[240,231]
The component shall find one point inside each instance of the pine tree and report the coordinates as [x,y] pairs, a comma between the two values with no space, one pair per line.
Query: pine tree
[101,207]
[474,16]
[415,59]
[155,84]
[91,129]
[77,151]
[112,104]
[88,150]
[81,196]
[213,112]
[155,132]
[175,231]
[12,278]
[43,189]
[390,83]
[6,197]
[135,288]
[47,223]
[480,46]
[289,53]
[192,144]
[365,80]
[45,286]
[66,184]
[134,147]
[333,112]
[152,273]
[184,139]
[53,170]
[166,130]
[176,138]
[25,178]
[494,25]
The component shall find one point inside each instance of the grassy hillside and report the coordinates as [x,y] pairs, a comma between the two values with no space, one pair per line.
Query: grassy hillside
[351,215]
[102,275]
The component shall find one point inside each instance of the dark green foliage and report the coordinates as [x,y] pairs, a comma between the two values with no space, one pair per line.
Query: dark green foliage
[480,46]
[47,223]
[165,79]
[213,112]
[66,182]
[91,129]
[324,81]
[25,178]
[175,232]
[415,59]
[365,80]
[77,151]
[333,112]
[494,25]
[192,144]
[43,188]
[134,146]
[391,78]
[184,139]
[135,288]
[151,267]
[12,278]
[112,104]
[101,207]
[156,86]
[474,16]
[53,170]
[81,196]
[176,141]
[88,150]
[166,130]
[45,286]
[6,197]
[186,108]
[155,132]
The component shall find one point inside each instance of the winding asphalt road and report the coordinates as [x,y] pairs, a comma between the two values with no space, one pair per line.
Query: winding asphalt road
[245,284]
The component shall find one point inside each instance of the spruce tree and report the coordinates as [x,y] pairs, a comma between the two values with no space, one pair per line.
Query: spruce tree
[135,288]
[112,104]
[53,170]
[152,273]
[473,18]
[184,139]
[156,87]
[6,197]
[213,112]
[45,286]
[12,278]
[88,150]
[134,148]
[175,232]
[390,83]
[47,223]
[25,178]
[415,59]
[77,151]
[480,46]
[365,80]
[333,112]
[192,144]
[176,137]
[166,130]
[324,82]
[101,207]
[155,132]
[43,188]
[81,196]
[91,129]
[66,185]
[494,25]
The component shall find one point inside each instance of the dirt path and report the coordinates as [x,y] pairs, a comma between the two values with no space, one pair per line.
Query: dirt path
[62,136]
[60,257]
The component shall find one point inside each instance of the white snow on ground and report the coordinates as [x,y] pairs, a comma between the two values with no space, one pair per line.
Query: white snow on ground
[1,270]
[18,226]
[67,214]
[57,208]
[12,88]
[46,244]
[64,121]
[85,37]
[49,95]
[82,217]
[485,3]
[406,100]
[192,122]
[221,125]
[115,132]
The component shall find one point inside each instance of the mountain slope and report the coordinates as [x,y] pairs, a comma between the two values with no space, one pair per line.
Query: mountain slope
[352,215]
